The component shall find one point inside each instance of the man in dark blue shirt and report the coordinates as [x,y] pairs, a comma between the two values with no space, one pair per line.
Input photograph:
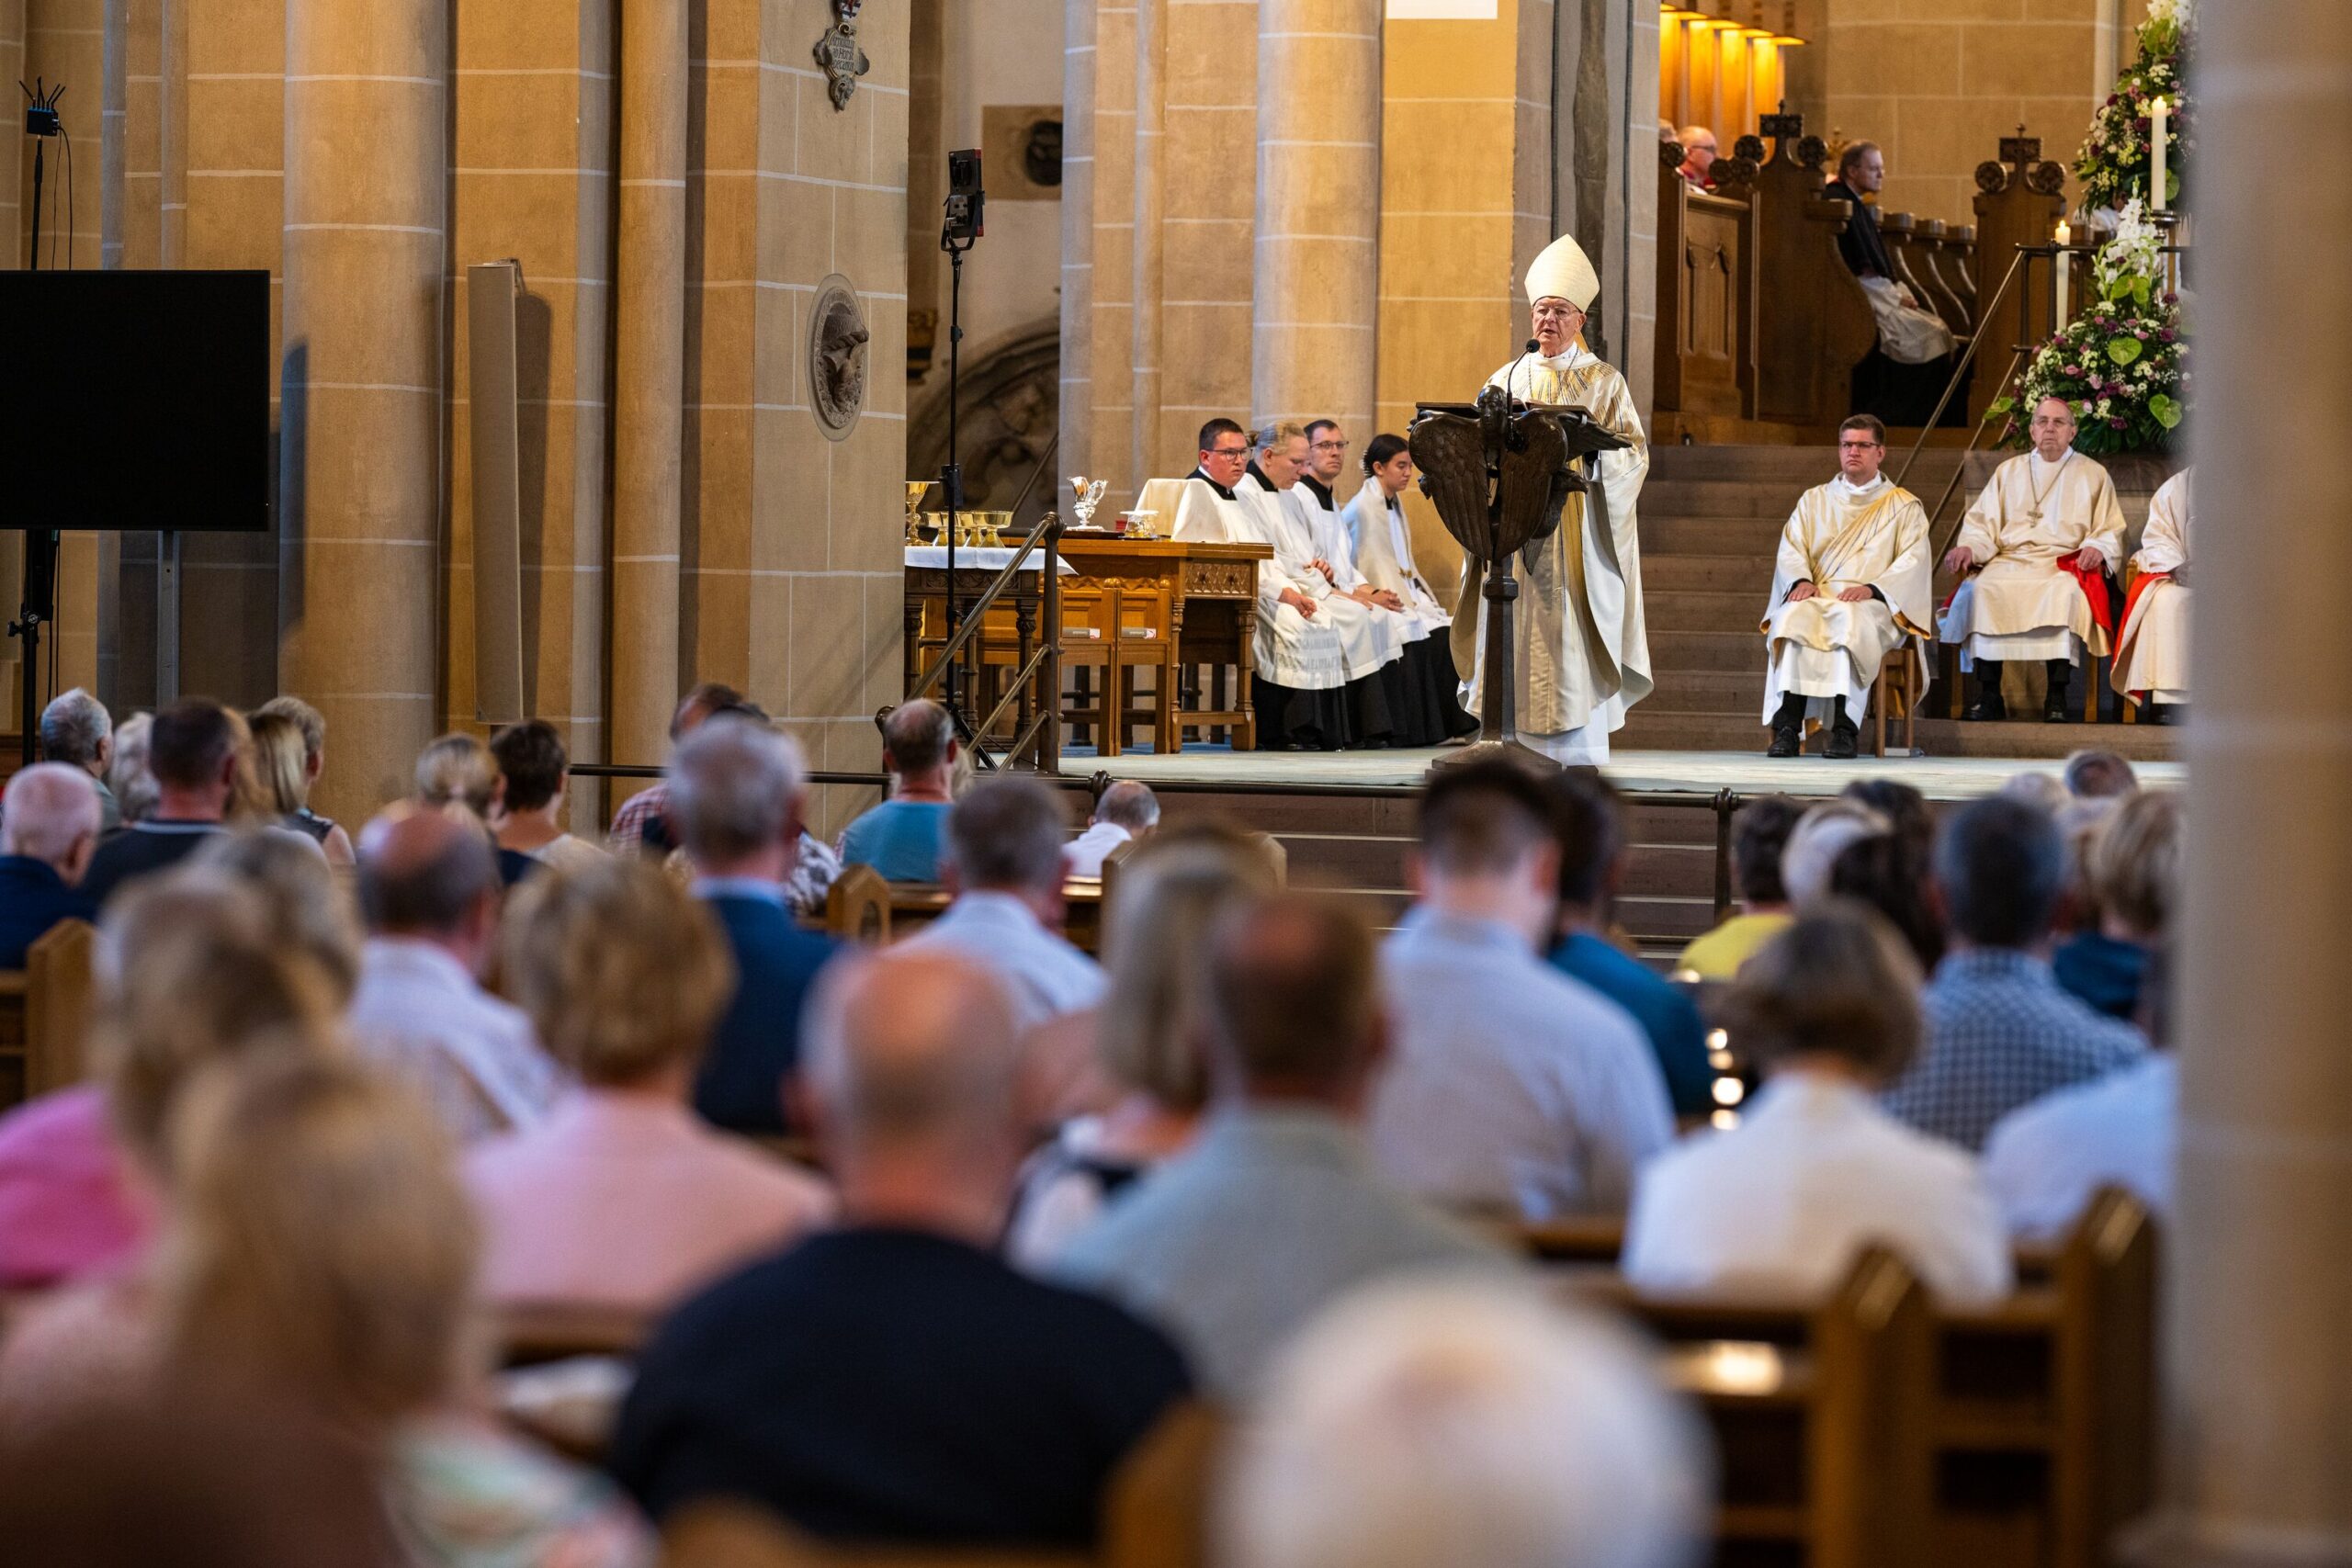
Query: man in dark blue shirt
[192,752]
[49,830]
[1591,827]
[737,792]
[893,1379]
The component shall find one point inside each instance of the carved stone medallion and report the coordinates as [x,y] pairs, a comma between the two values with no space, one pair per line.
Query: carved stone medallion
[836,353]
[838,54]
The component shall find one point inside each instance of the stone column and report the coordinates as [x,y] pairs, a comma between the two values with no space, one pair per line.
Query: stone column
[1076,418]
[1151,96]
[2260,1282]
[1316,274]
[1208,183]
[1110,366]
[366,163]
[649,377]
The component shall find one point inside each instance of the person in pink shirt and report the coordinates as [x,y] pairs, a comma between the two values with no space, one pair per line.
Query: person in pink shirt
[622,1198]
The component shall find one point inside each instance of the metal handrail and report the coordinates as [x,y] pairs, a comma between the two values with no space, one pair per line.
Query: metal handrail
[1048,528]
[1960,371]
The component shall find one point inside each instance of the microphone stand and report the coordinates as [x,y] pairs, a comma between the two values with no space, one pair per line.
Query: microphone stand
[40,601]
[950,472]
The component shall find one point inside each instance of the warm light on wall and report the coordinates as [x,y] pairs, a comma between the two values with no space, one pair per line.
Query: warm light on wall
[1719,71]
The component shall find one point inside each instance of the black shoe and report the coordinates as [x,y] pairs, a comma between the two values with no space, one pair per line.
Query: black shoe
[1989,708]
[2055,709]
[1785,742]
[1844,742]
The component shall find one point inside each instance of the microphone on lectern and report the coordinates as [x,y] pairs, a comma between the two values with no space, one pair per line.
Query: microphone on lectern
[1534,346]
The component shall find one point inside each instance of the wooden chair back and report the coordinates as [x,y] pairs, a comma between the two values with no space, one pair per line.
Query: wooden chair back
[1158,1514]
[857,906]
[530,1333]
[2020,199]
[1813,322]
[1907,247]
[45,1012]
[913,904]
[1706,290]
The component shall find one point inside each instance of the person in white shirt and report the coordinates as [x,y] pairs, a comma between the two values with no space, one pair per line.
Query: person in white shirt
[2047,1160]
[1425,705]
[1511,1088]
[1816,1171]
[429,889]
[1004,867]
[1127,811]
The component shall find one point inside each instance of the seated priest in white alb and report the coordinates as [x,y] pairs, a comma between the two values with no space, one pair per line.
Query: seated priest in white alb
[1290,713]
[1851,585]
[1578,666]
[2152,653]
[1428,709]
[2042,542]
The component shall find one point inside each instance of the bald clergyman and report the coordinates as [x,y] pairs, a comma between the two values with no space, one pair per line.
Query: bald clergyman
[1583,647]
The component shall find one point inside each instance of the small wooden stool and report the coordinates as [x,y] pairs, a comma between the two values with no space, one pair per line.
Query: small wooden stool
[1898,681]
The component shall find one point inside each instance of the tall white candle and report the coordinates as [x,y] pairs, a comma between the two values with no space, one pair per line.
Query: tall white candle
[2065,275]
[2156,116]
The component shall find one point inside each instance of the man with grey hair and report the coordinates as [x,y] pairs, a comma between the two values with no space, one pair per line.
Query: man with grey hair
[76,729]
[1005,866]
[1460,1421]
[893,1379]
[902,838]
[49,830]
[736,797]
[429,889]
[1127,811]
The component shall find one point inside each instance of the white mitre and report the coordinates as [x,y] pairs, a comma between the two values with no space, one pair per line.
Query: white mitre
[1563,272]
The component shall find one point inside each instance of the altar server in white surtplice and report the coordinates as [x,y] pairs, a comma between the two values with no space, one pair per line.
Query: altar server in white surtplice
[2152,653]
[1429,710]
[1851,585]
[2041,540]
[1583,650]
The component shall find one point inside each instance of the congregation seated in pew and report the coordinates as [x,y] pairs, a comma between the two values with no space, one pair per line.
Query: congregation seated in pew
[77,731]
[905,837]
[1126,813]
[49,830]
[1759,835]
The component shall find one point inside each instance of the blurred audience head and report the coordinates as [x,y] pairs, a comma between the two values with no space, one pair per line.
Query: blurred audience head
[1837,989]
[1487,848]
[1759,836]
[1151,1028]
[2099,774]
[1590,823]
[281,764]
[430,875]
[1885,872]
[192,969]
[131,778]
[456,770]
[49,813]
[2001,869]
[2046,790]
[1006,835]
[913,1074]
[919,743]
[192,749]
[1905,808]
[736,793]
[1465,1422]
[2135,867]
[1294,1008]
[707,697]
[622,972]
[323,1247]
[75,730]
[311,723]
[307,909]
[1130,804]
[531,766]
[1819,836]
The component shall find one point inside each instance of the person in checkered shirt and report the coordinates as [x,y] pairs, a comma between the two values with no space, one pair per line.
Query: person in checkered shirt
[2000,1030]
[627,832]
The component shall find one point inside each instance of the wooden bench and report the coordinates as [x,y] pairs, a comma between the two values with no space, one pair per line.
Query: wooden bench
[857,910]
[44,1013]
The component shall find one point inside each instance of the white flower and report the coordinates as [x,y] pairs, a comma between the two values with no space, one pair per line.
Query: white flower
[2178,12]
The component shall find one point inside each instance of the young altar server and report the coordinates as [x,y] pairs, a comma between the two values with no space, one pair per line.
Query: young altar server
[1851,585]
[2151,654]
[1429,712]
[2042,540]
[1578,666]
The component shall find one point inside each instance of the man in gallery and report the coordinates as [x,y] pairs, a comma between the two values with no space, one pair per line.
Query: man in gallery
[1851,585]
[2041,541]
[2151,652]
[1582,647]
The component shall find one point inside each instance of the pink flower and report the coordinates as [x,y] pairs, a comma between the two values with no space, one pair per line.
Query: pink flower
[2117,421]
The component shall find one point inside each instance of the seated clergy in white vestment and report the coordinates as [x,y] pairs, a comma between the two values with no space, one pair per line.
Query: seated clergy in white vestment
[1816,1171]
[1852,584]
[2041,540]
[1427,704]
[2151,652]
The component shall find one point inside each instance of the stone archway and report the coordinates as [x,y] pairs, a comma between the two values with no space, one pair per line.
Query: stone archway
[1008,413]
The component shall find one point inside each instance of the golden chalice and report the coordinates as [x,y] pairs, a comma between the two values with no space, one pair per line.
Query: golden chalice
[916,490]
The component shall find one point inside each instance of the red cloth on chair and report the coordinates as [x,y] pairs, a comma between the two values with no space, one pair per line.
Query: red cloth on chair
[2140,585]
[2094,587]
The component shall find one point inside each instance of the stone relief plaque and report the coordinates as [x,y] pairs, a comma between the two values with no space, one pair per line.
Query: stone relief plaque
[837,357]
[838,54]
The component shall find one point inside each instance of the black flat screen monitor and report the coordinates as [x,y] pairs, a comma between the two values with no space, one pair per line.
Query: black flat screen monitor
[135,400]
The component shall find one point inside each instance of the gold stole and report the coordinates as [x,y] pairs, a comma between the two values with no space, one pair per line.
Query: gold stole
[1851,535]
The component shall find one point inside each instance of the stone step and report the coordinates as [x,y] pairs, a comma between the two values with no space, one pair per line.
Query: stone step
[1708,691]
[1725,573]
[1792,464]
[1661,731]
[1954,737]
[1677,534]
[1719,498]
[1702,609]
[1675,649]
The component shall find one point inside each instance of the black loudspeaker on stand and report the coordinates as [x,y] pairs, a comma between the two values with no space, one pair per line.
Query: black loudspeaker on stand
[967,204]
[39,606]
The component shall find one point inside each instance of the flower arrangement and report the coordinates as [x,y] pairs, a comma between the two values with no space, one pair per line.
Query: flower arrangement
[2114,163]
[2122,365]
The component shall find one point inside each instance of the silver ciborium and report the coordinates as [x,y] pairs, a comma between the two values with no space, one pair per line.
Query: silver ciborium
[1086,495]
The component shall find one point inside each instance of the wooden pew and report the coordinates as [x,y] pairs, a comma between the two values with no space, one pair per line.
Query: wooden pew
[1908,248]
[1813,322]
[44,1012]
[1706,289]
[2020,199]
[904,907]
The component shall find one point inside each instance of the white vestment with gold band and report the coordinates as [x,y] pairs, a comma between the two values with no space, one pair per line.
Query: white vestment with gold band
[2021,603]
[1843,536]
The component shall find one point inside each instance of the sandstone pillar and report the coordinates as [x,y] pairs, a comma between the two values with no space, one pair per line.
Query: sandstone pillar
[1151,96]
[360,476]
[1076,418]
[1316,272]
[650,377]
[2261,1268]
[1109,364]
[1208,105]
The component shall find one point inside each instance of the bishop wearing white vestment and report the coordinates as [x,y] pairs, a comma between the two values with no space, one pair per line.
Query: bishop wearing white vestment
[2041,540]
[2152,651]
[1582,654]
[1852,584]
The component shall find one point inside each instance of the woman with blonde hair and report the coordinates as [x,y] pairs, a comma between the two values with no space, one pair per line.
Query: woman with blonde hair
[456,770]
[323,1250]
[1169,894]
[622,1198]
[281,767]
